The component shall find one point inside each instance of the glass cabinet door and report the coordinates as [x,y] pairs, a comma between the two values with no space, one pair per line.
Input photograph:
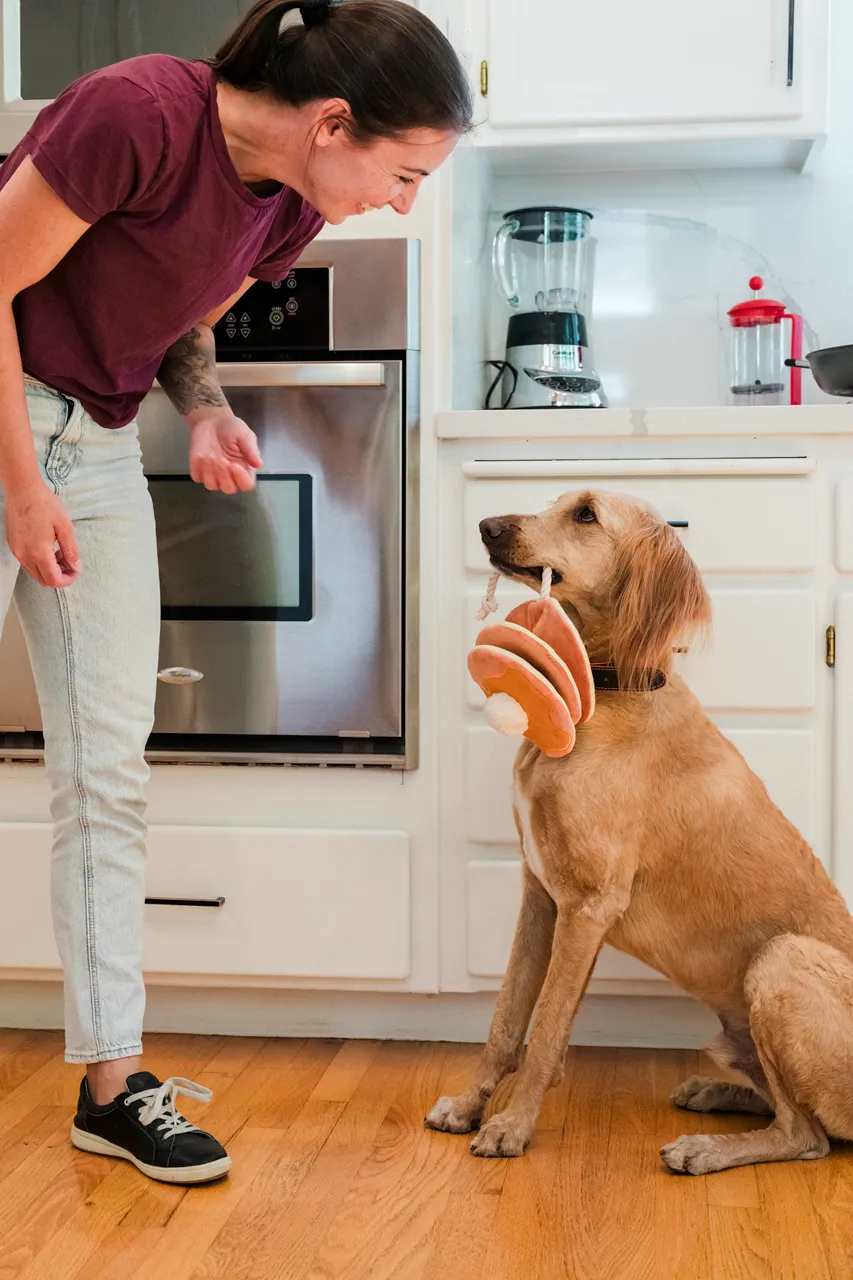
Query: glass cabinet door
[64,39]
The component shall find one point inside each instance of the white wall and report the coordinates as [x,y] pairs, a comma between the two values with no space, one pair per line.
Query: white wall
[676,250]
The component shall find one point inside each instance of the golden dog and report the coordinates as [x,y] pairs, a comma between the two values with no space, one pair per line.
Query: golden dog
[656,837]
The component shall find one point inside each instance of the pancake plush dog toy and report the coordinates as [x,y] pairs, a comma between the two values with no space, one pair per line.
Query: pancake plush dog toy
[534,671]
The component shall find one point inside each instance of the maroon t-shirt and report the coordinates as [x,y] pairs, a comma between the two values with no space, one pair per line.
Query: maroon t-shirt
[138,150]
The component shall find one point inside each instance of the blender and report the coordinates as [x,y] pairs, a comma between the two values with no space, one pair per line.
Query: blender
[759,365]
[542,259]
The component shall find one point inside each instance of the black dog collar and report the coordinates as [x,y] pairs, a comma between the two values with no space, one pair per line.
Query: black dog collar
[606,679]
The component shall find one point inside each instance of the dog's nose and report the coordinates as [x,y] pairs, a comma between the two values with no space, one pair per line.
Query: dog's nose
[492,528]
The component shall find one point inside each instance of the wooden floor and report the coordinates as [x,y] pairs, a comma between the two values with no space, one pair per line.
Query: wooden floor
[335,1177]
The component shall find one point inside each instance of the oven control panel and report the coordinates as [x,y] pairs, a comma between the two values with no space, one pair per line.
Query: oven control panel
[276,319]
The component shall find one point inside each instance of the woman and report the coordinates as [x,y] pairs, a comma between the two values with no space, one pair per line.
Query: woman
[135,212]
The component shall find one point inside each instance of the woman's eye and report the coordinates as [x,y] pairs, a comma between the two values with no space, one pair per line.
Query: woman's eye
[406,181]
[585,515]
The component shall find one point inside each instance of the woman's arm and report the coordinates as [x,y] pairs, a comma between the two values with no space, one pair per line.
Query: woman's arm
[223,450]
[37,229]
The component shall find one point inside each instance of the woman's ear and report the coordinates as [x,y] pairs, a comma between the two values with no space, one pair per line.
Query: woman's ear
[658,598]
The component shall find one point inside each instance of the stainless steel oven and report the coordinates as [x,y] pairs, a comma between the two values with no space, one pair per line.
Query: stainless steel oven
[289,614]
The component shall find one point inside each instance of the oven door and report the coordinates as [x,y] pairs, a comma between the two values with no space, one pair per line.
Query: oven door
[283,618]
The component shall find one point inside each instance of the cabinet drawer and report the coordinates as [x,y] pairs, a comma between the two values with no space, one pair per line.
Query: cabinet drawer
[762,655]
[493,900]
[734,525]
[784,759]
[297,903]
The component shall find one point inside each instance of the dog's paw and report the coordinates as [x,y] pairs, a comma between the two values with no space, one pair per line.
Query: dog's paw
[502,1136]
[691,1092]
[450,1115]
[694,1153]
[700,1093]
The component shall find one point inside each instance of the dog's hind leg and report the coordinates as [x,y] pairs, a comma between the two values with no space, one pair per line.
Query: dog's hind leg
[735,1050]
[528,964]
[800,996]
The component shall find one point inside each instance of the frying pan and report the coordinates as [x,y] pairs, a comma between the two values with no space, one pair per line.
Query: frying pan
[832,369]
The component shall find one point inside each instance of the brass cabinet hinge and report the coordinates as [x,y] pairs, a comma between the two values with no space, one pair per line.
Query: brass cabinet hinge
[830,646]
[484,78]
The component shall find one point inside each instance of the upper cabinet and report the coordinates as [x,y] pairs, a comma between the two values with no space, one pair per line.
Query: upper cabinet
[668,83]
[46,44]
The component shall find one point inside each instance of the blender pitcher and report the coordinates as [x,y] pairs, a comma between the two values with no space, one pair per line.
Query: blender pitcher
[759,373]
[542,260]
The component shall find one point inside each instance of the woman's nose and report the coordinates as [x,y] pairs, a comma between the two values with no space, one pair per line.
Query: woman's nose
[403,202]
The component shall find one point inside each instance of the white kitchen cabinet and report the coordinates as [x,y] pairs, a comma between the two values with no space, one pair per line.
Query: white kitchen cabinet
[569,62]
[843,746]
[578,75]
[242,902]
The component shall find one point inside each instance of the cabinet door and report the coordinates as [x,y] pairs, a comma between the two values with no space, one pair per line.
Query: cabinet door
[842,862]
[569,62]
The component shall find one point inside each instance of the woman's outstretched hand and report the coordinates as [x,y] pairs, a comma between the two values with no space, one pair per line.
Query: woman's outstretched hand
[224,451]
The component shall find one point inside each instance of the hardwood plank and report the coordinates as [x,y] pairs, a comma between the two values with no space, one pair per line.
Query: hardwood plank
[234,1106]
[384,1225]
[795,1251]
[39,1198]
[635,1093]
[286,1233]
[521,1244]
[734,1189]
[236,1054]
[831,1188]
[70,1248]
[29,1133]
[738,1244]
[681,1225]
[463,1235]
[133,1238]
[346,1071]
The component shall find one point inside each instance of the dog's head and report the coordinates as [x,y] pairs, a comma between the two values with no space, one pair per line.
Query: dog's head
[619,570]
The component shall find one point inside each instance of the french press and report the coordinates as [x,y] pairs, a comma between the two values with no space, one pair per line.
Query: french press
[759,365]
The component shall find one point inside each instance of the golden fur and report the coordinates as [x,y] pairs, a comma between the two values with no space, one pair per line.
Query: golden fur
[655,836]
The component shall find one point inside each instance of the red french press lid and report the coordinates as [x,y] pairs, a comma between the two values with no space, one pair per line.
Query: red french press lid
[758,310]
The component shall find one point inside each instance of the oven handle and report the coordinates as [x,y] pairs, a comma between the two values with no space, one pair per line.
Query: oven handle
[336,373]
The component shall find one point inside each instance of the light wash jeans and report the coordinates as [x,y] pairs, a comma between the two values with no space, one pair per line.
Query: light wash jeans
[94,648]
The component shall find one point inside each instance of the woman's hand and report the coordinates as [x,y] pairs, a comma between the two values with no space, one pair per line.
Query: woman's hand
[223,450]
[41,535]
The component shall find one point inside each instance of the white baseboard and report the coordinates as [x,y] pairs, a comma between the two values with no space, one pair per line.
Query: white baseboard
[638,1021]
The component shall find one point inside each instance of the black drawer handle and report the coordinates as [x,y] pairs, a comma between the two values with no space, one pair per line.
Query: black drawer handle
[791,33]
[678,524]
[184,902]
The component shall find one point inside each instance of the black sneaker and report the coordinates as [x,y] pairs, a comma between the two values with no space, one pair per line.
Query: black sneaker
[143,1126]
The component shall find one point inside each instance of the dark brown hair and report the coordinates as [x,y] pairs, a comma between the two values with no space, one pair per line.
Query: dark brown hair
[386,59]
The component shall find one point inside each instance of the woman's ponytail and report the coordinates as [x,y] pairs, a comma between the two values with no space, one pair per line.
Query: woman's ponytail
[242,59]
[385,58]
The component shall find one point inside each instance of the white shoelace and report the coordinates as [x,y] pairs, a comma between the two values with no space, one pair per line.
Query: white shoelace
[160,1105]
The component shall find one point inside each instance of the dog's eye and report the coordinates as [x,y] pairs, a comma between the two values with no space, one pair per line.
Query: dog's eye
[585,515]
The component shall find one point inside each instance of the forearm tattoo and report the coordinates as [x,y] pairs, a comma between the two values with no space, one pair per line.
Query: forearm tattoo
[188,372]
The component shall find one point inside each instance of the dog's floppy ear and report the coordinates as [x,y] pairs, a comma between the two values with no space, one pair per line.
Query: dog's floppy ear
[658,600]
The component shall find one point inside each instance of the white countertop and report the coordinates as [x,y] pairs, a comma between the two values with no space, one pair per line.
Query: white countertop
[591,424]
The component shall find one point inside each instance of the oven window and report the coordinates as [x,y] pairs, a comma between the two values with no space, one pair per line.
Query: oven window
[240,555]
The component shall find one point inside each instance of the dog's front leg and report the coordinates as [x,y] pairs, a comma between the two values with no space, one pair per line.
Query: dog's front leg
[580,932]
[528,964]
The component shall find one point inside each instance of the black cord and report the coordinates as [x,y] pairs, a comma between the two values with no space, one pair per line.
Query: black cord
[501,366]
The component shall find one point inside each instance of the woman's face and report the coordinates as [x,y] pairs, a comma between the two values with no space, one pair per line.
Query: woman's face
[344,178]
